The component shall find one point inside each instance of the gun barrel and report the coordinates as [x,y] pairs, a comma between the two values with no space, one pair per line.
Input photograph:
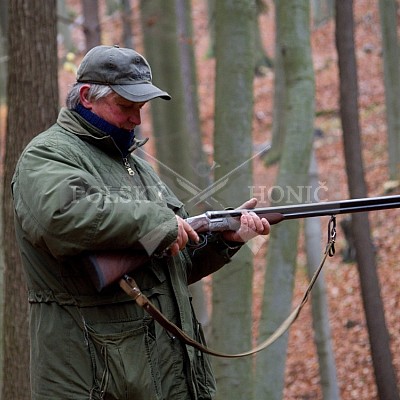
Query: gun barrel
[318,209]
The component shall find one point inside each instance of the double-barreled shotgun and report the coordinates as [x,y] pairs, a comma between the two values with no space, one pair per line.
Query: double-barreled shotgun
[108,267]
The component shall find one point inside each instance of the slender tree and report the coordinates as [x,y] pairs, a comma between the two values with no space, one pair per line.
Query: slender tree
[234,51]
[319,302]
[189,78]
[127,34]
[278,125]
[169,48]
[3,49]
[211,27]
[198,161]
[294,17]
[262,60]
[3,101]
[91,24]
[391,57]
[365,254]
[32,94]
[322,10]
[64,26]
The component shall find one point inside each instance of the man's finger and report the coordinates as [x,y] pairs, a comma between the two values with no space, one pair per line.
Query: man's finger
[191,233]
[249,204]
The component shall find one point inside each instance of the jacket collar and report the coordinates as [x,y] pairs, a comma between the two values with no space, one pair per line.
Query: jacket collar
[122,138]
[73,122]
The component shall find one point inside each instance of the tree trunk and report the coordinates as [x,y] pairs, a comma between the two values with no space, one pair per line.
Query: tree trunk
[231,289]
[177,123]
[322,10]
[2,267]
[33,106]
[211,28]
[176,127]
[127,34]
[292,177]
[64,26]
[278,122]
[3,100]
[198,161]
[91,23]
[262,60]
[391,57]
[319,303]
[365,255]
[3,51]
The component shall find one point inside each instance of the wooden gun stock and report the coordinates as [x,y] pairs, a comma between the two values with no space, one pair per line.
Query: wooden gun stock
[107,267]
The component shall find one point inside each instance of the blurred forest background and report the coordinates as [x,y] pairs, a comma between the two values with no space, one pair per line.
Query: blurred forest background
[318,81]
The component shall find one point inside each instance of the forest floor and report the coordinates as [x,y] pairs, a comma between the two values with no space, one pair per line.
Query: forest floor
[348,326]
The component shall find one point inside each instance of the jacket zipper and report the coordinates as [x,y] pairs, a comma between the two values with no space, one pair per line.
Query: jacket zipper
[128,167]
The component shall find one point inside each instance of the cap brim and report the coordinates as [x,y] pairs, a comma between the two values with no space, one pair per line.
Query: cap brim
[140,92]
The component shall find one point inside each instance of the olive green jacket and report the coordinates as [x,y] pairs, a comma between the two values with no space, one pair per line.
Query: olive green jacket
[73,194]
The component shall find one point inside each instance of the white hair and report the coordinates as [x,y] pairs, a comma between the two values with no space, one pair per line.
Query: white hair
[95,92]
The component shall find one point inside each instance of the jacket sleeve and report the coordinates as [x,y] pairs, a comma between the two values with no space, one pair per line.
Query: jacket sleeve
[211,254]
[64,209]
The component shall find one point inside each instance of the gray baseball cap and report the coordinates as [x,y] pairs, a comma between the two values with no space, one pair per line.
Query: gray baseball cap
[126,72]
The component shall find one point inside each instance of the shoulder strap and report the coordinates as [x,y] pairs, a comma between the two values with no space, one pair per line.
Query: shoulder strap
[131,288]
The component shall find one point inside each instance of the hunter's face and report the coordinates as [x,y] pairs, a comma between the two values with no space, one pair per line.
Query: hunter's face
[118,111]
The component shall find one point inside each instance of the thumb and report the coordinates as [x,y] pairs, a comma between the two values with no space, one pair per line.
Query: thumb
[249,204]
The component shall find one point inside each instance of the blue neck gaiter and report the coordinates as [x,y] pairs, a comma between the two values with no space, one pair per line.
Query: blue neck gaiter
[122,138]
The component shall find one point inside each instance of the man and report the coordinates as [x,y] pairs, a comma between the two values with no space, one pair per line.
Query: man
[78,189]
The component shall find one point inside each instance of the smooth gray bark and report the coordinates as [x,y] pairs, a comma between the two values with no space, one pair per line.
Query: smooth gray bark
[293,176]
[91,23]
[176,127]
[391,64]
[278,123]
[231,289]
[319,301]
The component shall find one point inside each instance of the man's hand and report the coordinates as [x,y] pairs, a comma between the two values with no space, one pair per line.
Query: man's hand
[185,232]
[251,225]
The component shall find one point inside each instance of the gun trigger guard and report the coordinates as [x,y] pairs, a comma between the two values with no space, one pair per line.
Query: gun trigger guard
[197,246]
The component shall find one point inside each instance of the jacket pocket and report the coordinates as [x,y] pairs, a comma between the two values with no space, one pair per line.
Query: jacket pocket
[125,364]
[205,381]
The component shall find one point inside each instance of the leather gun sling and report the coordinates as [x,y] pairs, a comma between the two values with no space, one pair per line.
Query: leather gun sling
[132,289]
